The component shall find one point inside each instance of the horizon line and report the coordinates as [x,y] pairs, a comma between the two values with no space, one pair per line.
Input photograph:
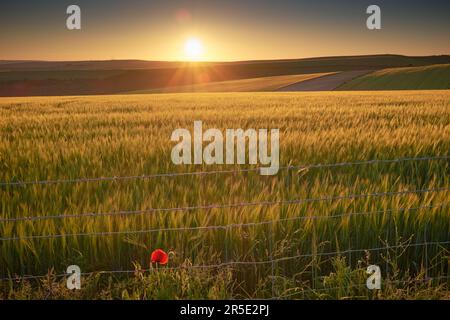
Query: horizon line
[226,61]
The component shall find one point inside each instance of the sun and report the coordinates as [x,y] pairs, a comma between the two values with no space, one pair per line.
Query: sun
[193,49]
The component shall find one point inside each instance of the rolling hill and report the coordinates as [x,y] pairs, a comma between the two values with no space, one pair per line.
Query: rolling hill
[374,61]
[414,78]
[245,85]
[41,78]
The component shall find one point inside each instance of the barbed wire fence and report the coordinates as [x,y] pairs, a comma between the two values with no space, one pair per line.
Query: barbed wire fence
[272,261]
[217,172]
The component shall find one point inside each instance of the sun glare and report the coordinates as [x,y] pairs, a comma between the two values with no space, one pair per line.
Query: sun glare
[193,49]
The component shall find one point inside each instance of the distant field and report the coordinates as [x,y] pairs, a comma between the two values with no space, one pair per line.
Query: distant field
[306,249]
[414,78]
[326,83]
[244,85]
[41,78]
[64,75]
[375,61]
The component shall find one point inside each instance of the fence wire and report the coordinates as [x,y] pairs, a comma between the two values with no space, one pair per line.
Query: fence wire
[214,172]
[227,264]
[386,284]
[221,206]
[231,263]
[220,227]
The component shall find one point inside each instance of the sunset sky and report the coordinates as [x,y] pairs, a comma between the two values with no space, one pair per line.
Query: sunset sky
[220,30]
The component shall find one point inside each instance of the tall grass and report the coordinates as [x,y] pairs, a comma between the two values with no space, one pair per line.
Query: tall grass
[71,137]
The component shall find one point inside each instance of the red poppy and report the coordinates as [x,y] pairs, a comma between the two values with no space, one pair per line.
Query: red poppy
[159,256]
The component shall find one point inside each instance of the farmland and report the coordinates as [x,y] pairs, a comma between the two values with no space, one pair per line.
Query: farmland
[304,249]
[413,78]
[244,85]
[60,78]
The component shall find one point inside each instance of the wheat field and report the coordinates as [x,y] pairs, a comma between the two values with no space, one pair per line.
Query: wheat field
[287,257]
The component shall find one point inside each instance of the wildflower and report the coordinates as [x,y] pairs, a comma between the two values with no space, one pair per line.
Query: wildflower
[159,256]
